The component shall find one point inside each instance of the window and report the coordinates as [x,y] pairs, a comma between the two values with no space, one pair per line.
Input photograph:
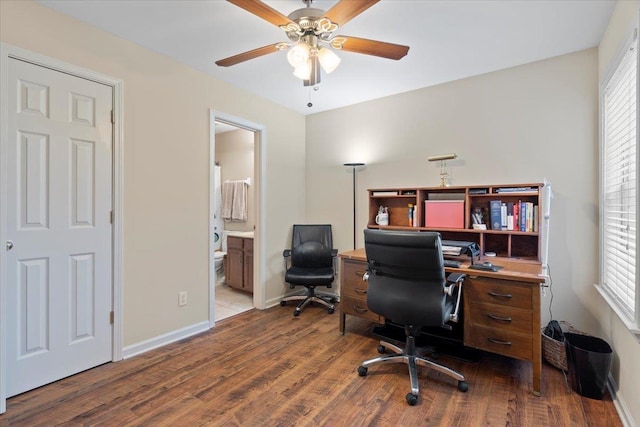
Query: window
[619,186]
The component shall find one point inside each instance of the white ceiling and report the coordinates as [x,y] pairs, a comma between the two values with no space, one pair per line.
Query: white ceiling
[448,40]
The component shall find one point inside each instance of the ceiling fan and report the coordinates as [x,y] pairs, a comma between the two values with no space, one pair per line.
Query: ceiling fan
[312,40]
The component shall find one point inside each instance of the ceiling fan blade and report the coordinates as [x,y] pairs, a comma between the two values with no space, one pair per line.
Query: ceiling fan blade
[345,10]
[262,10]
[374,47]
[245,56]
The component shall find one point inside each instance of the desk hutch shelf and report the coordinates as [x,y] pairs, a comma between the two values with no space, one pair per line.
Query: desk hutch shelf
[514,244]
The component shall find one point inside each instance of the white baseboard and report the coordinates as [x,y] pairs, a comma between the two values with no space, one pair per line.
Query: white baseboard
[272,302]
[620,404]
[168,338]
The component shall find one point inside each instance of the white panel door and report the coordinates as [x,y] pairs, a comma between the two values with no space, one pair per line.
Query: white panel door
[59,196]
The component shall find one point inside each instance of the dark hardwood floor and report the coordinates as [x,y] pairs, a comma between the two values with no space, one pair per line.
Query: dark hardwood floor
[268,368]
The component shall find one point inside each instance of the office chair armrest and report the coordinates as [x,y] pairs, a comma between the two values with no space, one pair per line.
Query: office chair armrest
[334,258]
[286,257]
[456,277]
[455,280]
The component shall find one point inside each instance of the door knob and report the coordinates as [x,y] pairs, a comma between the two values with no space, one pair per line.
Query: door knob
[9,244]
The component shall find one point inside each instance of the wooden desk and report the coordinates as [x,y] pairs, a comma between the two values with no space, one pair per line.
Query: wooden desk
[501,308]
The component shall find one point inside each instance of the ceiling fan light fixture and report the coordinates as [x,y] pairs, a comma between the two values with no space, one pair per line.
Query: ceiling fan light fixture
[314,75]
[303,70]
[328,59]
[298,55]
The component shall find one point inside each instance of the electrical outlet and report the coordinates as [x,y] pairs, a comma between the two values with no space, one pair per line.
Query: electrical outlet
[182,299]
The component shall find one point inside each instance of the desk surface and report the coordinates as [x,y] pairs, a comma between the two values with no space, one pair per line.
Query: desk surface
[522,271]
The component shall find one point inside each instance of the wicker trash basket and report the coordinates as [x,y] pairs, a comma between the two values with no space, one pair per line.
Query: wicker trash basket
[553,351]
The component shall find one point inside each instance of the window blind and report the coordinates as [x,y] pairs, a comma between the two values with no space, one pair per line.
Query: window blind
[619,183]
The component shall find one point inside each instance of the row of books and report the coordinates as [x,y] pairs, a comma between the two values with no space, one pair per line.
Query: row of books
[513,216]
[516,189]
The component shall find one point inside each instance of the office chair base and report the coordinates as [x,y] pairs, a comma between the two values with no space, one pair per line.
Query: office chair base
[409,357]
[307,298]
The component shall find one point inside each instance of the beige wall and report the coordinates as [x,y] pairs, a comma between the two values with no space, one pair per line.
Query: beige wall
[166,165]
[235,154]
[626,362]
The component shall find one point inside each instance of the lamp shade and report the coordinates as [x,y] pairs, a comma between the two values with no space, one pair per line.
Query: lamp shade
[303,70]
[328,59]
[298,55]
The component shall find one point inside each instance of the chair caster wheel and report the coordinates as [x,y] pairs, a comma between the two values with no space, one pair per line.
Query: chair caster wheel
[362,371]
[330,310]
[382,349]
[283,303]
[296,313]
[463,386]
[412,399]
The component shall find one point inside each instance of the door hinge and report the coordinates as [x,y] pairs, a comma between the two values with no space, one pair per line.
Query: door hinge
[111,315]
[113,117]
[111,217]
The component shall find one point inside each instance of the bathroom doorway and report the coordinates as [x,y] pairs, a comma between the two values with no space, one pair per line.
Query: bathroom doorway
[236,148]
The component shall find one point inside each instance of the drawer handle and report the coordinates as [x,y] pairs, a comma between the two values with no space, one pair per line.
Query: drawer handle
[360,309]
[495,341]
[494,294]
[502,319]
[359,273]
[360,291]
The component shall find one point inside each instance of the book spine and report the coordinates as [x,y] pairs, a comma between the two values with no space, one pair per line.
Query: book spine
[523,216]
[529,216]
[516,189]
[494,214]
[516,217]
[510,216]
[503,216]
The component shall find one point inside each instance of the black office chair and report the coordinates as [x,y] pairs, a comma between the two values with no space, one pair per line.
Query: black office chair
[407,285]
[310,262]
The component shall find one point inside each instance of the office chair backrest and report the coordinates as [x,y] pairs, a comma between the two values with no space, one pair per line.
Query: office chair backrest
[311,246]
[407,277]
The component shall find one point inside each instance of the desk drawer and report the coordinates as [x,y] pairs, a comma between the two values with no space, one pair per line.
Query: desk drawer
[500,317]
[500,341]
[352,284]
[502,292]
[358,307]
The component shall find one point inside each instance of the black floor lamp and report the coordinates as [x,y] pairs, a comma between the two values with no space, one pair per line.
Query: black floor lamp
[353,167]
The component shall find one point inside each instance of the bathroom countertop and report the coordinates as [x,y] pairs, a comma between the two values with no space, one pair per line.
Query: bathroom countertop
[246,234]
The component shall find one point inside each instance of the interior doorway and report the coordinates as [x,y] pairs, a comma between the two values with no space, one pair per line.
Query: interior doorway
[232,140]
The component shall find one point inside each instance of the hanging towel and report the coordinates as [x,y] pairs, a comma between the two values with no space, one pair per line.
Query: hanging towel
[227,200]
[239,205]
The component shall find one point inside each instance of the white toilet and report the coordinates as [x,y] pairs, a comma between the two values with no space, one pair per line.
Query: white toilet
[218,258]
